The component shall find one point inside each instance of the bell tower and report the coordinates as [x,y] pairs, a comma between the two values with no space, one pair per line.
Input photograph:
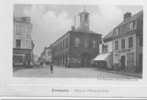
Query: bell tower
[84,20]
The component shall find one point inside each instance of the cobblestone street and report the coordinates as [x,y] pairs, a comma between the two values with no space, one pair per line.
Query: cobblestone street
[62,72]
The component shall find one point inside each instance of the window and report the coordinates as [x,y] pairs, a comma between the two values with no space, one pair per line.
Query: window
[123,43]
[104,48]
[130,42]
[28,44]
[63,43]
[67,42]
[18,43]
[94,43]
[116,45]
[18,59]
[130,59]
[77,42]
[60,45]
[86,44]
[140,41]
[116,31]
[133,25]
[86,17]
[49,53]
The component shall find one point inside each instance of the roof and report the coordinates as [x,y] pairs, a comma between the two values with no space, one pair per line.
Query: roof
[84,12]
[134,17]
[110,35]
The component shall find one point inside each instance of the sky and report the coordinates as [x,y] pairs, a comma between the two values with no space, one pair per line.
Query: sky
[52,21]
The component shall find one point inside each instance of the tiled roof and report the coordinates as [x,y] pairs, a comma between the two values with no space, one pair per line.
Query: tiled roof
[134,17]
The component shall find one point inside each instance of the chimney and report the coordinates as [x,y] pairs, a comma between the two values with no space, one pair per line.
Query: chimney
[127,15]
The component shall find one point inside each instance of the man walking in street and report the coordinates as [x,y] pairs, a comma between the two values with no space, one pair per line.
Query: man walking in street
[51,67]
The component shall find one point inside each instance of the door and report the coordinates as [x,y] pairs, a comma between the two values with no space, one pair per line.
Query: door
[140,63]
[28,59]
[123,59]
[85,60]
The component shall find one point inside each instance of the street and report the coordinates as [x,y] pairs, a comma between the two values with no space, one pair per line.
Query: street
[62,72]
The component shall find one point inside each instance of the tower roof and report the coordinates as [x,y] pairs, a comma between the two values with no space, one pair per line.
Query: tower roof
[84,12]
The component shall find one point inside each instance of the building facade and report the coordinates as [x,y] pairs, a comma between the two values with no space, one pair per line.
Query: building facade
[22,41]
[78,46]
[105,58]
[128,43]
[46,56]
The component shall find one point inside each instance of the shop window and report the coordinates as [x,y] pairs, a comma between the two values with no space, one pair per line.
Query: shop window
[18,59]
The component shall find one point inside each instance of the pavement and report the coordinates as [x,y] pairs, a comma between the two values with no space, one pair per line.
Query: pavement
[62,72]
[139,75]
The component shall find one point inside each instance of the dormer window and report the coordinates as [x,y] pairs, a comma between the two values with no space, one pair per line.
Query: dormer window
[116,31]
[132,25]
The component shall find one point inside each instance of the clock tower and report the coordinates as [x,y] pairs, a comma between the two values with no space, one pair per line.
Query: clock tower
[84,20]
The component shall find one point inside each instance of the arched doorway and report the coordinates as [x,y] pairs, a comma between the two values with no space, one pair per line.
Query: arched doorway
[85,60]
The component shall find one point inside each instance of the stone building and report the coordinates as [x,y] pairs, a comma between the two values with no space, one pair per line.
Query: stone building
[78,46]
[22,41]
[128,43]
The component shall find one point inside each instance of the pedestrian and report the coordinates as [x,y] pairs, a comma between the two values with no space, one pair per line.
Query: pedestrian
[51,67]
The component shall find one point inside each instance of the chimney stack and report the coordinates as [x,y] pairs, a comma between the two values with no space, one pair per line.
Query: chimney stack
[127,15]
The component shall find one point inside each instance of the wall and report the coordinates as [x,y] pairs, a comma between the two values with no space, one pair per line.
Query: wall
[124,52]
[22,31]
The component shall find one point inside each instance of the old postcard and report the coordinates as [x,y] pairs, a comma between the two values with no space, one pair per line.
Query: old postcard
[81,48]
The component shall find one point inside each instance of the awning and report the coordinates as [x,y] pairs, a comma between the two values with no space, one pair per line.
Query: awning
[101,56]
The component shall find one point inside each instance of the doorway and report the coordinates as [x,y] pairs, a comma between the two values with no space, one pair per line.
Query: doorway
[85,60]
[140,63]
[123,59]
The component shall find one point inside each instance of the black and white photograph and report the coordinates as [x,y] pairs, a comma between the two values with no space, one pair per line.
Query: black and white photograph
[73,49]
[78,41]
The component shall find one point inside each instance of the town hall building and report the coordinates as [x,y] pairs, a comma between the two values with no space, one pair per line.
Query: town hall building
[77,47]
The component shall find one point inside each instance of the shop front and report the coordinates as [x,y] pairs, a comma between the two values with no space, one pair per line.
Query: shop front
[22,57]
[103,61]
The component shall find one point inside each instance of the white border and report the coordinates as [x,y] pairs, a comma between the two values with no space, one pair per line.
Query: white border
[10,86]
